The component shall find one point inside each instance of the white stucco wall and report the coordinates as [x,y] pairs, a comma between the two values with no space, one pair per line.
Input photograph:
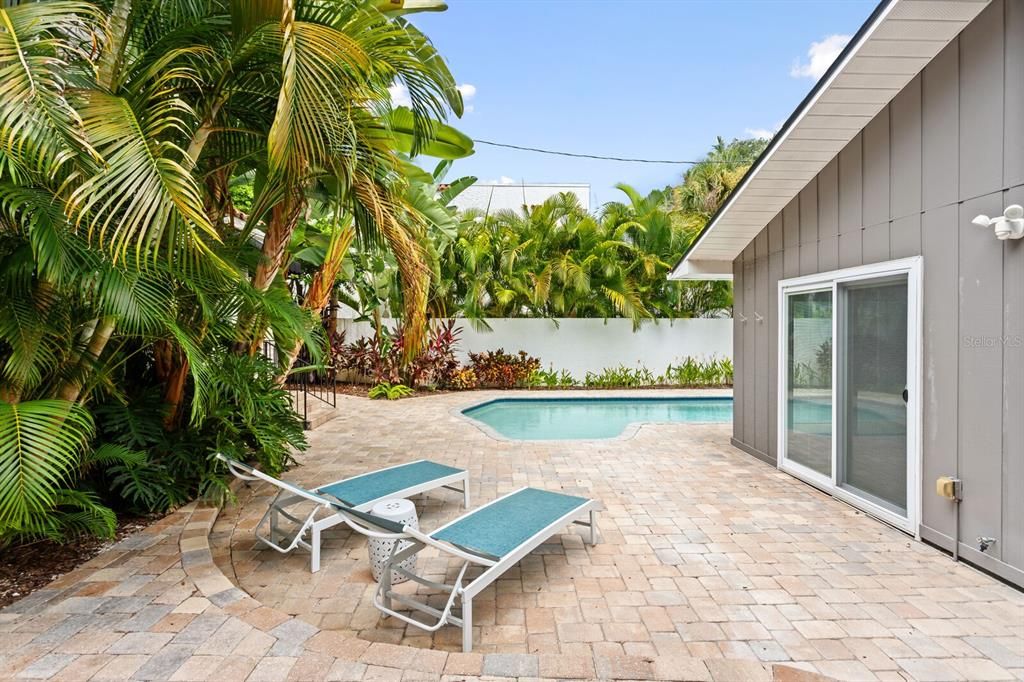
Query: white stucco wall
[582,345]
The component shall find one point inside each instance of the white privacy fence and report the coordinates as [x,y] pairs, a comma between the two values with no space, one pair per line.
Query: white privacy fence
[588,345]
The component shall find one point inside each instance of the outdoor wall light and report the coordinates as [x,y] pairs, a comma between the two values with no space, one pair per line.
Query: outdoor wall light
[1010,225]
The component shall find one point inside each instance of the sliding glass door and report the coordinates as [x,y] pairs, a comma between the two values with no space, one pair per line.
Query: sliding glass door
[808,401]
[848,377]
[873,391]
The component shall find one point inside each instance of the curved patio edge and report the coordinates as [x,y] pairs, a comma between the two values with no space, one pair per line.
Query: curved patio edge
[327,654]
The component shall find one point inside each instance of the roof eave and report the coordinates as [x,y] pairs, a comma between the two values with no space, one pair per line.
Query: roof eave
[824,85]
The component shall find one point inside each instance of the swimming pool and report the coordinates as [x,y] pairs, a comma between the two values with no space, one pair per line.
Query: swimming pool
[590,418]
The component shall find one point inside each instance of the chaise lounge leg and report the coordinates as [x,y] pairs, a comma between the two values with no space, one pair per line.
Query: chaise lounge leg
[593,527]
[387,576]
[467,624]
[465,493]
[314,541]
[273,524]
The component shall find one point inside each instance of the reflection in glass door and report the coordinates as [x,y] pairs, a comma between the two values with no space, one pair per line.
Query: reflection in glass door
[849,416]
[809,381]
[872,389]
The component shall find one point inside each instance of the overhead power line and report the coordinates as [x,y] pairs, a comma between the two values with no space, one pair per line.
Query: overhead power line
[553,152]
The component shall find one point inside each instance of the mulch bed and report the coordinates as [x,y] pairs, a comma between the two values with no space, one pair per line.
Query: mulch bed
[357,390]
[26,568]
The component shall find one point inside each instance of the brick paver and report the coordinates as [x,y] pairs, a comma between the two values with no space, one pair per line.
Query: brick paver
[712,566]
[705,552]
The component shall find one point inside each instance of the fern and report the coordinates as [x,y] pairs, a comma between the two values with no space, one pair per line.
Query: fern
[389,391]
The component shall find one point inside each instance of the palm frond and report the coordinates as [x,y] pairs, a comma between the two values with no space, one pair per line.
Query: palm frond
[40,445]
[143,197]
[38,126]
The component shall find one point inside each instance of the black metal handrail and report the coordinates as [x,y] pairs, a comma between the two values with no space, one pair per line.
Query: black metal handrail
[308,382]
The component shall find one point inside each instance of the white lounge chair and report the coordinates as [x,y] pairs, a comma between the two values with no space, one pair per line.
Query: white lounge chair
[359,493]
[494,537]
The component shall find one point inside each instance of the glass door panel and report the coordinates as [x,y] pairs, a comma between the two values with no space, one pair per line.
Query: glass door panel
[809,381]
[872,378]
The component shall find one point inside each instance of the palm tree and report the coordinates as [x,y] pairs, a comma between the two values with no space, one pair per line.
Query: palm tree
[706,184]
[122,127]
[100,215]
[556,260]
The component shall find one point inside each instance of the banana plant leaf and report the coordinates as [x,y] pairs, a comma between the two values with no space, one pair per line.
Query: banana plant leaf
[397,8]
[447,142]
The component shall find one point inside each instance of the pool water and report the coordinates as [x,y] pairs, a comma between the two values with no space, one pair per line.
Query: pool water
[591,418]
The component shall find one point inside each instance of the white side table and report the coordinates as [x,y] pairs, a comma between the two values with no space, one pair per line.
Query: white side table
[399,511]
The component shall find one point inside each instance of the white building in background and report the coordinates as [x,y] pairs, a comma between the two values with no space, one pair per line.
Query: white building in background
[496,197]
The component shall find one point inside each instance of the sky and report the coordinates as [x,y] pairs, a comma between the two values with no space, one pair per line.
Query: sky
[638,78]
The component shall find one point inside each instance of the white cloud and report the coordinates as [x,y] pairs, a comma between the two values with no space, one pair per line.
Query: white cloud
[763,133]
[503,180]
[759,133]
[400,95]
[468,91]
[820,56]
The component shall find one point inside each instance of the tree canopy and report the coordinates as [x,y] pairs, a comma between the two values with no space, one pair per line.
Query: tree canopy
[133,287]
[557,260]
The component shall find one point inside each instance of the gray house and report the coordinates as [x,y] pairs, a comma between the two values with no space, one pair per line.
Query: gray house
[879,289]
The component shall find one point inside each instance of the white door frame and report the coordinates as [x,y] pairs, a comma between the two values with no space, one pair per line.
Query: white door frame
[830,281]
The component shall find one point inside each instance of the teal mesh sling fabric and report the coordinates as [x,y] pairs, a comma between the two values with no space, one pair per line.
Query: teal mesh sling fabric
[381,484]
[497,529]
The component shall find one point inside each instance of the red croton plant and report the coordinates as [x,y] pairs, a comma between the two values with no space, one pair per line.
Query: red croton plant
[503,370]
[382,358]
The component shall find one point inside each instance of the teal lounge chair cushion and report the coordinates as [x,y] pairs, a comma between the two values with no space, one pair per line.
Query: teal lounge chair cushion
[498,528]
[380,484]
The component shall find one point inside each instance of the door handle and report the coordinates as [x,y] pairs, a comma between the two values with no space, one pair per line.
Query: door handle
[906,395]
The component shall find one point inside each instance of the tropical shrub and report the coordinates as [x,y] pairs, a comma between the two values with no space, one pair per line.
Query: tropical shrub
[552,378]
[464,379]
[437,363]
[694,372]
[141,146]
[378,357]
[148,483]
[249,415]
[389,391]
[502,370]
[620,377]
[382,358]
[691,372]
[725,364]
[44,446]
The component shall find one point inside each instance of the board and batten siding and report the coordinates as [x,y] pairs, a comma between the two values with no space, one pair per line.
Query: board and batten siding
[948,147]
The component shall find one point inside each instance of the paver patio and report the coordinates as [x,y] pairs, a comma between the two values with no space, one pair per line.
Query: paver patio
[712,566]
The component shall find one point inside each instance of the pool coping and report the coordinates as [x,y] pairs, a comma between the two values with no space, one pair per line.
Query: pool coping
[629,431]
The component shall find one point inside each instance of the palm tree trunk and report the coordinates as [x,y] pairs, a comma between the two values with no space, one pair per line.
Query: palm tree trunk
[195,147]
[283,219]
[174,392]
[320,289]
[109,66]
[113,51]
[72,388]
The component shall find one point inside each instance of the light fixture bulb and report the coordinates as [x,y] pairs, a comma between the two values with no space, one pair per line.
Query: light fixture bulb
[1014,212]
[982,221]
[1003,227]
